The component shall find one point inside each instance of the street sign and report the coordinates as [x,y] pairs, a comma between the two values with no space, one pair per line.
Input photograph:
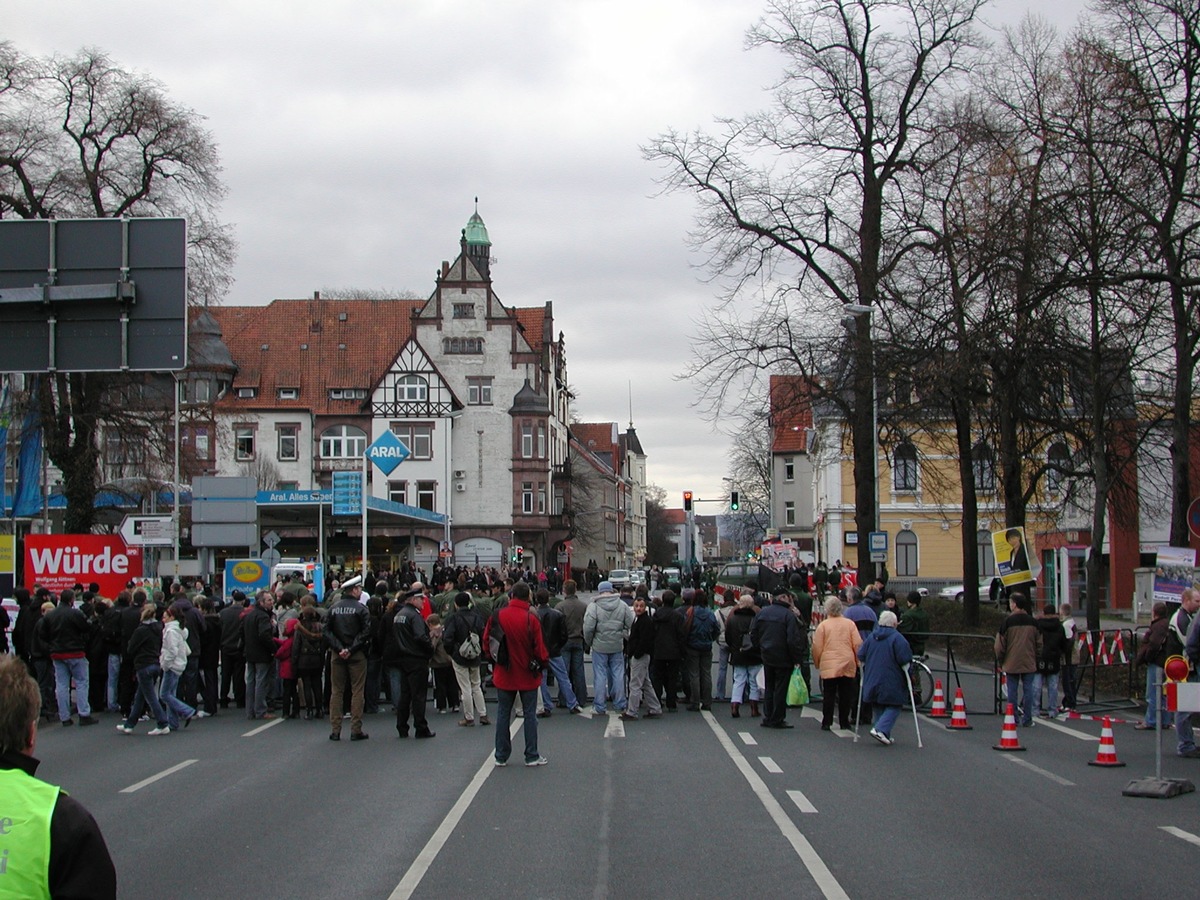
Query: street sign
[387,452]
[271,558]
[878,545]
[147,531]
[271,539]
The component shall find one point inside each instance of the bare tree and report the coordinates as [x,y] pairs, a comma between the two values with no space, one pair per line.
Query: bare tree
[810,191]
[82,137]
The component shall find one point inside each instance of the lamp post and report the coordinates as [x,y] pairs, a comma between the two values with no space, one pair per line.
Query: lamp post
[858,314]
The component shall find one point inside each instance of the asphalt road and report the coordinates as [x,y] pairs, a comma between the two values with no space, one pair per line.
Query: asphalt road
[693,804]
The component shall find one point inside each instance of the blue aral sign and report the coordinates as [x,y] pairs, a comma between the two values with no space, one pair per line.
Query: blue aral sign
[387,452]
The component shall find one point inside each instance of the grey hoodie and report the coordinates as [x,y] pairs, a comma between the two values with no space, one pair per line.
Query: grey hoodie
[606,623]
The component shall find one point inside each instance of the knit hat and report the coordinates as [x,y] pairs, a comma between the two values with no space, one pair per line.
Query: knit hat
[605,587]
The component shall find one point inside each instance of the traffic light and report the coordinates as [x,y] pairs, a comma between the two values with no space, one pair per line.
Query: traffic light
[687,501]
[733,501]
[519,554]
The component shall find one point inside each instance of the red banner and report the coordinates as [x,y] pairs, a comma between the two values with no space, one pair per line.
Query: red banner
[58,561]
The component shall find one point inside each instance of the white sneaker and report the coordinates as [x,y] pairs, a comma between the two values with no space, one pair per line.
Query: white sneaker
[156,731]
[121,728]
[882,738]
[202,714]
[540,761]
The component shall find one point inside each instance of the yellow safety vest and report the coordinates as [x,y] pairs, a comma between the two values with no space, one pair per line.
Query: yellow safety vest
[26,805]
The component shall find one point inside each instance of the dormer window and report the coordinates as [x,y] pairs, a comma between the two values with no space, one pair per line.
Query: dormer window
[347,394]
[247,393]
[289,393]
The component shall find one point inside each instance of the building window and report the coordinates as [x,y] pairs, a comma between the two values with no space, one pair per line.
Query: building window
[289,485]
[464,310]
[983,466]
[527,497]
[343,442]
[417,437]
[247,393]
[479,391]
[398,491]
[289,393]
[526,440]
[789,513]
[426,494]
[462,345]
[124,449]
[904,468]
[411,388]
[201,390]
[541,441]
[289,442]
[906,554]
[984,553]
[201,444]
[1058,461]
[789,468]
[347,393]
[541,499]
[243,442]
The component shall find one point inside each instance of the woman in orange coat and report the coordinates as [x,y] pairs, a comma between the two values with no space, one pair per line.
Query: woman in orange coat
[835,653]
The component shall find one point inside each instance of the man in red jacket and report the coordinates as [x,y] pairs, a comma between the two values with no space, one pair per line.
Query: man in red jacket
[522,674]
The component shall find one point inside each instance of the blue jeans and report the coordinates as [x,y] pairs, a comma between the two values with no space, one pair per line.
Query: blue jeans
[559,669]
[147,695]
[1050,679]
[722,672]
[572,655]
[175,706]
[114,681]
[1154,698]
[745,679]
[1024,681]
[608,670]
[504,717]
[885,718]
[394,677]
[66,671]
[258,677]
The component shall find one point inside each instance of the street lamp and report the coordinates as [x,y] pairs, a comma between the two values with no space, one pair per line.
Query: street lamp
[850,323]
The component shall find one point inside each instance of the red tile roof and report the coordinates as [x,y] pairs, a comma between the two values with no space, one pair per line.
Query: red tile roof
[791,414]
[312,345]
[675,516]
[531,319]
[599,437]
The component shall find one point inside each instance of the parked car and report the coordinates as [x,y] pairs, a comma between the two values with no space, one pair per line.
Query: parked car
[955,592]
[637,577]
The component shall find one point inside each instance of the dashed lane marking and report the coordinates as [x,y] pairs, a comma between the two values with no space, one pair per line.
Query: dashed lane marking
[824,879]
[153,778]
[1181,834]
[615,728]
[747,739]
[802,802]
[770,765]
[261,728]
[1055,726]
[1032,768]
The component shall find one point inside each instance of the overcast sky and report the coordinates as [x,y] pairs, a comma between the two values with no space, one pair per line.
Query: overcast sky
[355,136]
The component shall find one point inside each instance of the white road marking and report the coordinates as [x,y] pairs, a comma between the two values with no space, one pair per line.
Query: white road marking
[770,765]
[1080,735]
[1181,834]
[747,739]
[802,802]
[1032,768]
[261,728]
[615,728]
[808,855]
[153,778]
[423,862]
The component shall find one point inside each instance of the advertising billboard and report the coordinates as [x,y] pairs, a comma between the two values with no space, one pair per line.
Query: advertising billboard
[58,561]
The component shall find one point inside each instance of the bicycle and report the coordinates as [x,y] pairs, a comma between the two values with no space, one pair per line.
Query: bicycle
[921,678]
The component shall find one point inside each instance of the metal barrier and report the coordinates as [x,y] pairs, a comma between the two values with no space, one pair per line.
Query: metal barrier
[1114,648]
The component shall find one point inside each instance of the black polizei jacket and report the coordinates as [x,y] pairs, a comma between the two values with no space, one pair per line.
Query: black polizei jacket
[348,626]
[413,643]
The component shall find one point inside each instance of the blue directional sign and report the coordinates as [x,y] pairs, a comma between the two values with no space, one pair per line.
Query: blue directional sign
[387,452]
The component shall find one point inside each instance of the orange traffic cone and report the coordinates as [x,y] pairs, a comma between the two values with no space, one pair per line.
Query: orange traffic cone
[938,709]
[1106,754]
[958,720]
[1008,737]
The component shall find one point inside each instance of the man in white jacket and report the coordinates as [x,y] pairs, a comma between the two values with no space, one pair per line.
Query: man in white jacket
[606,625]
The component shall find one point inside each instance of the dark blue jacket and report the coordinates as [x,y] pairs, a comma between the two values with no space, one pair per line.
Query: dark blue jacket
[885,655]
[704,627]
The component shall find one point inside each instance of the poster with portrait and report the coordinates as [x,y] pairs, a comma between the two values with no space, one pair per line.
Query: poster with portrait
[1013,556]
[1174,570]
